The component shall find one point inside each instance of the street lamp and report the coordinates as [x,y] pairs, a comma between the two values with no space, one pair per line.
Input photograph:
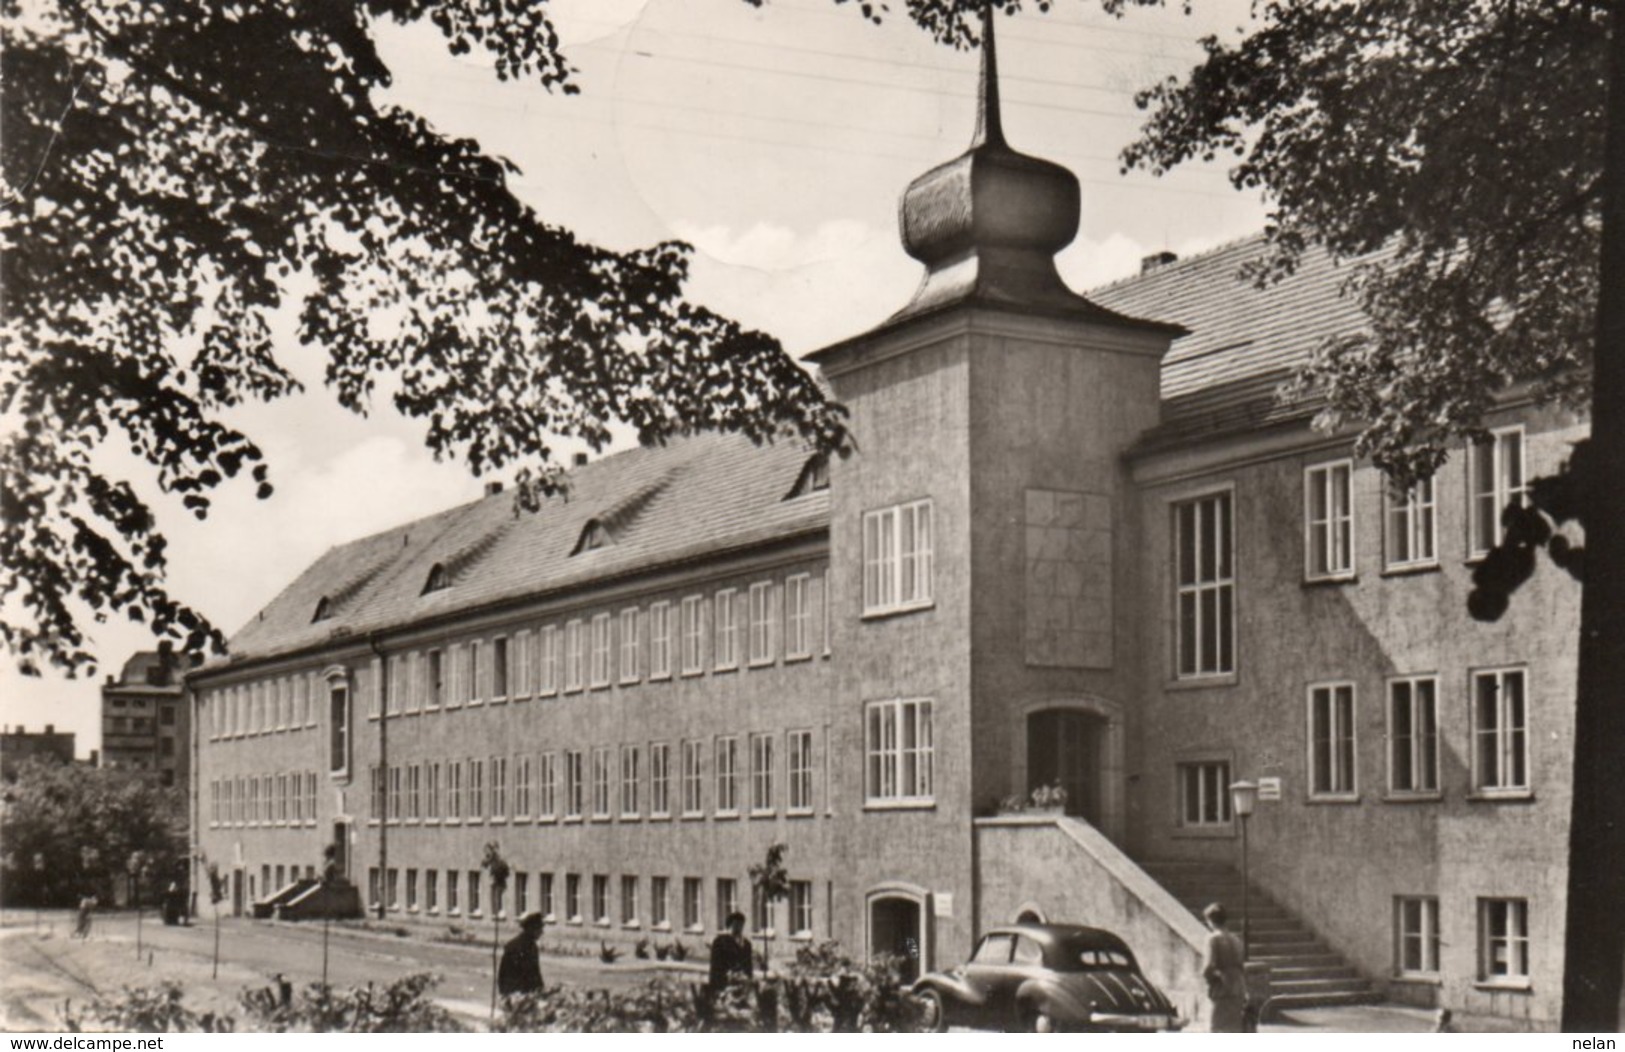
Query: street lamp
[1244,797]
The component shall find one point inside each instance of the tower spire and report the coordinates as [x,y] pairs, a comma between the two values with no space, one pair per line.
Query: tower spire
[989,125]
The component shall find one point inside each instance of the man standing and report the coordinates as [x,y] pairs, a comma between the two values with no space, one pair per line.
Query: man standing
[521,968]
[1226,974]
[731,953]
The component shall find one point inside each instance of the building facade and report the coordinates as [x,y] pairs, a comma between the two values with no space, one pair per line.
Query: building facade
[1081,542]
[19,745]
[146,723]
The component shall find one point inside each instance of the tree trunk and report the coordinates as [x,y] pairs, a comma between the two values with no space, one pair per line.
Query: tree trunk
[1594,944]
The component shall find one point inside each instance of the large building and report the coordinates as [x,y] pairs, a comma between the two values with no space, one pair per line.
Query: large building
[145,721]
[1081,542]
[19,745]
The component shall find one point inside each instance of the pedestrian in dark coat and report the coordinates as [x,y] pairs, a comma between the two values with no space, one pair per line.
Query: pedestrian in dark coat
[731,954]
[521,968]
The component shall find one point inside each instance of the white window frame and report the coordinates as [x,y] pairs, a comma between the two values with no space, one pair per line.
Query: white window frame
[547,787]
[575,655]
[693,635]
[763,760]
[693,777]
[575,784]
[499,789]
[1503,925]
[631,781]
[725,767]
[725,629]
[798,617]
[548,672]
[601,800]
[501,669]
[693,904]
[600,900]
[478,676]
[1510,743]
[603,649]
[897,774]
[630,671]
[659,779]
[898,558]
[521,658]
[434,679]
[474,809]
[1413,756]
[1212,574]
[799,760]
[660,903]
[431,792]
[801,909]
[1212,812]
[763,598]
[629,901]
[1416,928]
[1410,534]
[660,637]
[1328,534]
[1509,479]
[522,799]
[1343,762]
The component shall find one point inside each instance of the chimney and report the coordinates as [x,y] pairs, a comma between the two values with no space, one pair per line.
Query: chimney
[50,728]
[581,460]
[1156,260]
[493,488]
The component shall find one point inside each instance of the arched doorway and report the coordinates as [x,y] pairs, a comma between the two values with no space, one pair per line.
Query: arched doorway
[896,927]
[1067,747]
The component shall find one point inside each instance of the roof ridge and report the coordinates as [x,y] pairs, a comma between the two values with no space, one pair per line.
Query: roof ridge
[1181,262]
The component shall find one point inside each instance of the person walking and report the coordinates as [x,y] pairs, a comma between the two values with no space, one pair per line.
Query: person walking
[1225,972]
[731,954]
[521,969]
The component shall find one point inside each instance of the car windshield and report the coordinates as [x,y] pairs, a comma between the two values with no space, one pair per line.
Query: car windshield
[1080,954]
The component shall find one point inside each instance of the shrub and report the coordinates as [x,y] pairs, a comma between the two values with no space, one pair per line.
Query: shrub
[402,1007]
[145,1010]
[607,953]
[641,950]
[679,952]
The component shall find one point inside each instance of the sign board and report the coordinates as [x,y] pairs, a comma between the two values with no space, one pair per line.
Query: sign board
[1269,788]
[942,903]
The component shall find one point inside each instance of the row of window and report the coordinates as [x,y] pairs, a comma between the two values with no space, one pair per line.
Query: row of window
[1204,541]
[1503,939]
[730,629]
[422,891]
[1499,763]
[284,798]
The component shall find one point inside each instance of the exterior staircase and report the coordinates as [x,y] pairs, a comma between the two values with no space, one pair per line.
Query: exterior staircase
[1304,972]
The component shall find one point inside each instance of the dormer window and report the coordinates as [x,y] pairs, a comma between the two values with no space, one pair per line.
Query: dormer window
[438,579]
[324,610]
[814,477]
[594,536]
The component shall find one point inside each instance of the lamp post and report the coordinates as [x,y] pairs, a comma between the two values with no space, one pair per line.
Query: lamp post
[1244,797]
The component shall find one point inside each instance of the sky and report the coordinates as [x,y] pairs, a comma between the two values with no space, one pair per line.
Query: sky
[777,140]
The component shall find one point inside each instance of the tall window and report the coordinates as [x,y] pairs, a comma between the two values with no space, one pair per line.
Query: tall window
[1411,527]
[1331,740]
[1495,479]
[629,900]
[414,792]
[897,557]
[545,900]
[600,650]
[801,908]
[631,756]
[476,793]
[575,655]
[727,775]
[600,899]
[473,893]
[798,633]
[499,787]
[1413,735]
[660,640]
[574,781]
[474,681]
[521,788]
[1204,576]
[431,891]
[521,893]
[1204,794]
[629,645]
[761,772]
[434,680]
[801,772]
[727,628]
[693,777]
[1416,936]
[761,623]
[693,635]
[456,676]
[431,792]
[1503,940]
[548,673]
[693,904]
[727,900]
[499,668]
[659,903]
[1500,732]
[521,680]
[338,722]
[547,803]
[451,891]
[572,897]
[660,779]
[899,748]
[600,782]
[1328,506]
[454,790]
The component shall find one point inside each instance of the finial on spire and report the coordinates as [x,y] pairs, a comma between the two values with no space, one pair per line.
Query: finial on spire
[989,127]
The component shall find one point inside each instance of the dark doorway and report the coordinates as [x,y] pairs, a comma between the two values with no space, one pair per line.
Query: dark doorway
[341,850]
[894,928]
[1065,747]
[236,893]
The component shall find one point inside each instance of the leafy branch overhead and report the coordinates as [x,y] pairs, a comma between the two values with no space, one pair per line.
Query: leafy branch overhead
[175,171]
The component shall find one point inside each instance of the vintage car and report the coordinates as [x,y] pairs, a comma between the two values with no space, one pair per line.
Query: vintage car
[1047,977]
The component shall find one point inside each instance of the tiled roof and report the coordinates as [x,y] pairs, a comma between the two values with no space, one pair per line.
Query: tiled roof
[696,496]
[1243,343]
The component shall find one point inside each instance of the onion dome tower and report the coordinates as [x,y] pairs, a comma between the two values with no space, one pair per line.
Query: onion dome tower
[988,223]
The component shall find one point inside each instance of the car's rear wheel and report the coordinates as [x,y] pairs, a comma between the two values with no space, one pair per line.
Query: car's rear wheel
[934,1017]
[1035,1020]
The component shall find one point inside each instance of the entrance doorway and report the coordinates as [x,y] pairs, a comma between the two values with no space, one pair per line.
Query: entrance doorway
[1065,747]
[237,893]
[895,928]
[341,850]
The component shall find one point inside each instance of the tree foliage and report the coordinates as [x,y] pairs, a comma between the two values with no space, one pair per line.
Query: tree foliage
[71,831]
[176,172]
